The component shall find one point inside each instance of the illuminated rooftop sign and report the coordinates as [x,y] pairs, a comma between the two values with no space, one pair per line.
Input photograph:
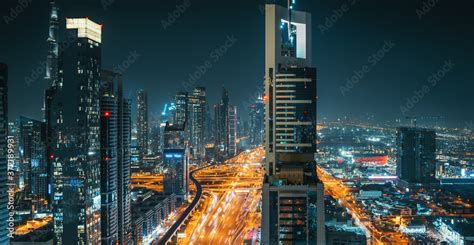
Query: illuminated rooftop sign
[293,38]
[85,28]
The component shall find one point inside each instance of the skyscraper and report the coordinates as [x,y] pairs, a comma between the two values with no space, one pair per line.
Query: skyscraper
[256,122]
[175,176]
[3,153]
[108,159]
[175,161]
[416,155]
[53,52]
[221,121]
[124,165]
[73,122]
[293,197]
[142,123]
[181,111]
[154,146]
[115,160]
[197,121]
[32,154]
[232,131]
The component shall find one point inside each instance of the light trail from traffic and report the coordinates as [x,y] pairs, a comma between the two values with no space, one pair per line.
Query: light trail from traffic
[339,191]
[32,225]
[229,209]
[148,181]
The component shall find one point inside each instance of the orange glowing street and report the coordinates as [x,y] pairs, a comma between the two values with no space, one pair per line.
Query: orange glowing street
[149,181]
[229,210]
[339,191]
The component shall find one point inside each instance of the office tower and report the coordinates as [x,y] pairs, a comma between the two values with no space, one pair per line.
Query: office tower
[218,128]
[293,197]
[115,160]
[73,120]
[142,123]
[209,127]
[286,45]
[154,146]
[32,156]
[124,166]
[416,155]
[175,175]
[108,159]
[53,52]
[221,117]
[256,125]
[3,154]
[295,111]
[197,122]
[232,129]
[175,161]
[181,111]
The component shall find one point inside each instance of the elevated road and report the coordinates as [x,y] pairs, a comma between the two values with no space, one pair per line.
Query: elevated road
[180,220]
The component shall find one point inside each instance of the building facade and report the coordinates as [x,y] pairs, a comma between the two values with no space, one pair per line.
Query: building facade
[142,123]
[108,159]
[33,165]
[52,58]
[416,155]
[256,123]
[175,175]
[73,120]
[115,160]
[176,162]
[197,122]
[232,129]
[293,197]
[181,111]
[221,121]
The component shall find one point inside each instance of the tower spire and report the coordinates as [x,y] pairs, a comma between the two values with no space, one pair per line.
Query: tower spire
[52,57]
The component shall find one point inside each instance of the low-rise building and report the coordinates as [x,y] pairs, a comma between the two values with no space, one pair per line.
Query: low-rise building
[457,231]
[149,212]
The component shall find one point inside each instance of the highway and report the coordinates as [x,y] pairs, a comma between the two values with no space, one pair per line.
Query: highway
[149,181]
[32,225]
[229,209]
[339,191]
[176,225]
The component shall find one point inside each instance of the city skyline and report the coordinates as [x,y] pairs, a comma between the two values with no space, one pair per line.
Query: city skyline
[257,123]
[391,35]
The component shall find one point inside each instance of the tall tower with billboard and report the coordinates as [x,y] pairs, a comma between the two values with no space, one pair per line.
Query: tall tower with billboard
[293,197]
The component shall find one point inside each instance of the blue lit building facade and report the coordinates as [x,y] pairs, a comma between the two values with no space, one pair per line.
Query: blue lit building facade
[73,127]
[33,164]
[175,162]
[175,176]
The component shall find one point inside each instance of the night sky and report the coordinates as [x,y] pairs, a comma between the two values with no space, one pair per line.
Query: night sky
[346,34]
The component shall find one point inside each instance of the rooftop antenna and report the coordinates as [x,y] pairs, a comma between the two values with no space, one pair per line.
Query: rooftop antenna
[290,7]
